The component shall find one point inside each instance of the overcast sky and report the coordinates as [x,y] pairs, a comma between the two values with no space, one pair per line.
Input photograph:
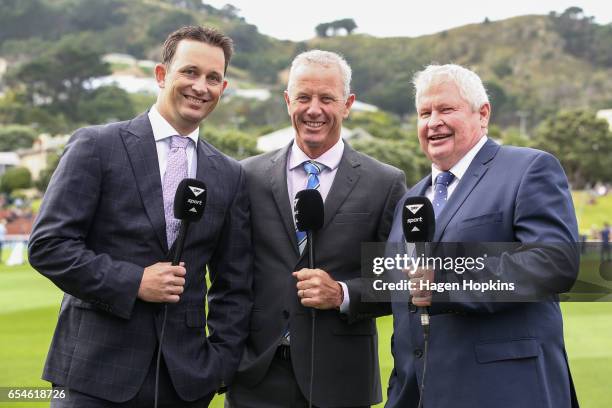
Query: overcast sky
[296,20]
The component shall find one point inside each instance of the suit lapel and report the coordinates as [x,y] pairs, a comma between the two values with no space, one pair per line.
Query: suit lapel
[346,178]
[472,176]
[142,152]
[278,183]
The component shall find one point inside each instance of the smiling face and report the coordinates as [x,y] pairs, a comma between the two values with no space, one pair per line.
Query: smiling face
[317,107]
[447,126]
[191,86]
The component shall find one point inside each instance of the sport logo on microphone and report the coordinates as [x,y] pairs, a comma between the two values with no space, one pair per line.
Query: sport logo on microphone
[196,190]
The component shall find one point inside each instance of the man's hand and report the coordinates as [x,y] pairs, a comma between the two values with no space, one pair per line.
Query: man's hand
[162,283]
[420,298]
[317,289]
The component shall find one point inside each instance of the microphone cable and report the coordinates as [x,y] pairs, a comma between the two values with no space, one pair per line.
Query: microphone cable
[312,360]
[425,326]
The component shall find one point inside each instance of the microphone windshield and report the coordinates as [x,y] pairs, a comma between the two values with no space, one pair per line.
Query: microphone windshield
[190,200]
[418,219]
[308,210]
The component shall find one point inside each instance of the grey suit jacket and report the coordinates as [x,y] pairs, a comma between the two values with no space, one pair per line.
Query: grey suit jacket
[101,222]
[358,208]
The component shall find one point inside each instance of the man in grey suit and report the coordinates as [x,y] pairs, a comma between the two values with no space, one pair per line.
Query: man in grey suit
[359,194]
[105,235]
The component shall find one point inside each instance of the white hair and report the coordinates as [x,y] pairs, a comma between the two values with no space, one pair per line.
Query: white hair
[469,83]
[326,59]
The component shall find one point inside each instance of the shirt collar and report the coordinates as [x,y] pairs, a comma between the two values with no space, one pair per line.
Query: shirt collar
[462,165]
[163,130]
[331,158]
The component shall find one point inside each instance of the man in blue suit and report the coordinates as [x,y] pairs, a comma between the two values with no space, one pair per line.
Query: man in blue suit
[484,354]
[105,234]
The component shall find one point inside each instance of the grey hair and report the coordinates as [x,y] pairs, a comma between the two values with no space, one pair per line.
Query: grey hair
[469,83]
[326,59]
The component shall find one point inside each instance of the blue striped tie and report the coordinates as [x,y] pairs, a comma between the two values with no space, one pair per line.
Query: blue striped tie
[313,169]
[443,180]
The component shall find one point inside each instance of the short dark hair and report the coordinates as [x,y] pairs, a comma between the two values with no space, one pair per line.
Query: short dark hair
[206,35]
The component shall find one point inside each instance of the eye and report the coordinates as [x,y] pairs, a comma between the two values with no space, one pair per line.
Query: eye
[327,99]
[424,114]
[447,110]
[303,98]
[214,80]
[190,72]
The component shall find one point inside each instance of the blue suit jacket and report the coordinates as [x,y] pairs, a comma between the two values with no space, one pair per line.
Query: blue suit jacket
[101,222]
[493,354]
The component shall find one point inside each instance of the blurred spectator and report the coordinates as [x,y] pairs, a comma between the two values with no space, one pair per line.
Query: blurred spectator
[605,243]
[2,236]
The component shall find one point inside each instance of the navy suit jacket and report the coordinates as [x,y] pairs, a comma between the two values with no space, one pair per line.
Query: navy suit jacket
[493,354]
[101,223]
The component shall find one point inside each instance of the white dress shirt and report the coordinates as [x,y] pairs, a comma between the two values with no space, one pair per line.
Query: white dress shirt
[458,169]
[163,132]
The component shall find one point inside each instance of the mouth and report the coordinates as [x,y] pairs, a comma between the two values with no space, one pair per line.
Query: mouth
[194,100]
[434,138]
[313,124]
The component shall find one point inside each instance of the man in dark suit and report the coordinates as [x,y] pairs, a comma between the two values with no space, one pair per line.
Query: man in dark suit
[484,354]
[105,234]
[359,195]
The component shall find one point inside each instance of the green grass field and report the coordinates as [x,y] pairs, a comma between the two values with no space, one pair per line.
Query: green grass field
[29,304]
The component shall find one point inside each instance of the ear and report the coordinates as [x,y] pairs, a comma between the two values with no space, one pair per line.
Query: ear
[485,115]
[224,86]
[348,104]
[287,101]
[160,75]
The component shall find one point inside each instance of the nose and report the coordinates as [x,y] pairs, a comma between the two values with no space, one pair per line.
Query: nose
[435,120]
[200,86]
[314,108]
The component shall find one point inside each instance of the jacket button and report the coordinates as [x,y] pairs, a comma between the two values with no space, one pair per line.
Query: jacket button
[418,353]
[286,314]
[413,308]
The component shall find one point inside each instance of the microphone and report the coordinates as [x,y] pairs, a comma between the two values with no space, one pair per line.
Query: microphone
[309,215]
[189,205]
[419,226]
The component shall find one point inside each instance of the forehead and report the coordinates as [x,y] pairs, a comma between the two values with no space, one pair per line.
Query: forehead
[314,78]
[200,54]
[441,92]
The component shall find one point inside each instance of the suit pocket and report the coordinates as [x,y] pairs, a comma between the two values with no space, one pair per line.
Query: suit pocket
[490,218]
[352,218]
[508,350]
[195,318]
[361,328]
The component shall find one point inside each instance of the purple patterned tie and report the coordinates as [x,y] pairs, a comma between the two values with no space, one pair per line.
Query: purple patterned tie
[176,170]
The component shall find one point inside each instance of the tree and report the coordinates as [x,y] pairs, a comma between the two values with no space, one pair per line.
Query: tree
[321,30]
[14,137]
[583,144]
[106,104]
[167,23]
[15,178]
[400,154]
[45,175]
[347,23]
[57,79]
[232,142]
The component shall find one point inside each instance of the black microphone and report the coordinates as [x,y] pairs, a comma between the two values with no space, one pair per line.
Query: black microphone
[309,215]
[189,205]
[419,225]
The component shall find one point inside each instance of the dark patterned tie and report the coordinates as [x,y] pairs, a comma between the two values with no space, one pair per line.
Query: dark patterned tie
[443,180]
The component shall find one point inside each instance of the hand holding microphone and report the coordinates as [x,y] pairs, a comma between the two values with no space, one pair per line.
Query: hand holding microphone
[164,282]
[317,289]
[419,226]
